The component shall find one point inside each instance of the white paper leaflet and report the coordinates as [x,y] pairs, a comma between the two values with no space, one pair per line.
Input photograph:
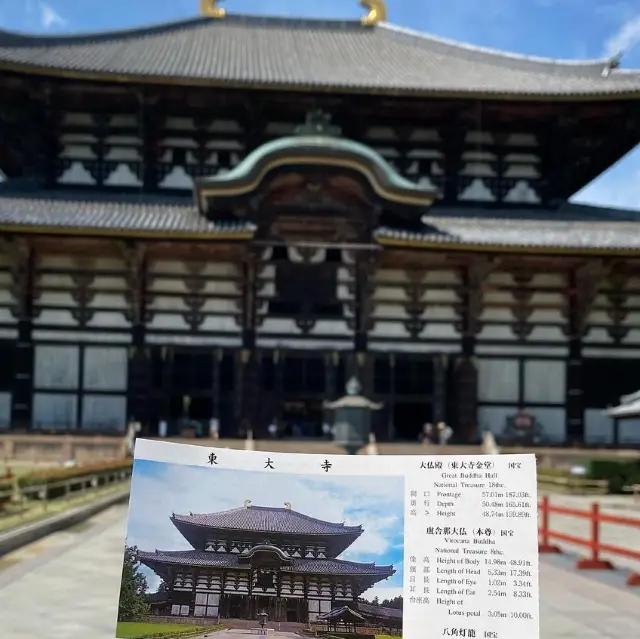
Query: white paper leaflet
[414,546]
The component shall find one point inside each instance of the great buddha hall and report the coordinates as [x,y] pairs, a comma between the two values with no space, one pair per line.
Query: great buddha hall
[229,216]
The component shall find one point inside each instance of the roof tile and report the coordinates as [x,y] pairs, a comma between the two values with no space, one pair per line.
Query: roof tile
[314,566]
[312,53]
[268,520]
[570,227]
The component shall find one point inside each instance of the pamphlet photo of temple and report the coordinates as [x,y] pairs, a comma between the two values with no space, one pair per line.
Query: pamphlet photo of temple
[283,562]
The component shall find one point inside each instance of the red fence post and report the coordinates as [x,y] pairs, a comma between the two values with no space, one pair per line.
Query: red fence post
[543,533]
[594,562]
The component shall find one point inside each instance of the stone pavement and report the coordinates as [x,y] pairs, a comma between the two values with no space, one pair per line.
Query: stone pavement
[66,587]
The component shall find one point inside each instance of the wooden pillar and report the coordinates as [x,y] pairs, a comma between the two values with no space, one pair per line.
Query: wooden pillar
[215,391]
[439,388]
[139,373]
[391,400]
[22,258]
[248,395]
[150,132]
[331,363]
[240,365]
[453,145]
[167,379]
[363,271]
[583,284]
[465,371]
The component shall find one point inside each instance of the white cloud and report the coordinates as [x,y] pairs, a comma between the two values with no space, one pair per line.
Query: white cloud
[162,489]
[50,18]
[625,38]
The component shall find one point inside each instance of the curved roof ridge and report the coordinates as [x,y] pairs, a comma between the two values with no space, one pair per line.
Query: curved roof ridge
[605,62]
[308,517]
[276,509]
[17,38]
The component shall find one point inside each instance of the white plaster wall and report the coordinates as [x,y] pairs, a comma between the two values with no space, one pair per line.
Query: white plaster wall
[381,346]
[439,331]
[106,319]
[55,317]
[597,335]
[177,267]
[500,332]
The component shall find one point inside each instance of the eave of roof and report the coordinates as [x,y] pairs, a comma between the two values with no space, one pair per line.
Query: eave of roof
[204,559]
[572,229]
[318,55]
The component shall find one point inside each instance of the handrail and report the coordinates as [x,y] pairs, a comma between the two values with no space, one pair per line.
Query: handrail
[41,491]
[593,544]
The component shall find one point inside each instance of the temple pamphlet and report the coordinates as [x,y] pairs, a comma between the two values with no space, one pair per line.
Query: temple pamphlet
[253,542]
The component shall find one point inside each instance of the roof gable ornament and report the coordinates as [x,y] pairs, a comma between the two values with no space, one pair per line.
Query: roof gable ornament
[377,12]
[211,9]
[317,122]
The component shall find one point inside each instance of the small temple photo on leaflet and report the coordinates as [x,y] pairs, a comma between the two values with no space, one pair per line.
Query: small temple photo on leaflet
[220,220]
[277,562]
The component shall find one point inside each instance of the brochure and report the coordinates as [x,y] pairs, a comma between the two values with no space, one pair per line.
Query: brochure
[252,542]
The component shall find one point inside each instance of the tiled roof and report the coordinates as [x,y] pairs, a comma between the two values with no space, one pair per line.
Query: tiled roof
[574,228]
[268,520]
[307,54]
[569,227]
[203,559]
[379,611]
[344,612]
[100,212]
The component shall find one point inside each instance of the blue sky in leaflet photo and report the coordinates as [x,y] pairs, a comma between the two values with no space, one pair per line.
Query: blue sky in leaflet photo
[570,29]
[375,503]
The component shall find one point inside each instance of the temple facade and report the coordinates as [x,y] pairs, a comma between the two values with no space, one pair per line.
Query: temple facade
[196,224]
[255,559]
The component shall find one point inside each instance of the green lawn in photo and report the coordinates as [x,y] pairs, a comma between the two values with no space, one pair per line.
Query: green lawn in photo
[133,629]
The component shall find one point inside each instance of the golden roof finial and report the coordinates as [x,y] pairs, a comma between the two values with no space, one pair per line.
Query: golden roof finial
[377,11]
[210,8]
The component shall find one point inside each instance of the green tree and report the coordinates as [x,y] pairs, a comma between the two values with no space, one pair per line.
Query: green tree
[396,603]
[133,588]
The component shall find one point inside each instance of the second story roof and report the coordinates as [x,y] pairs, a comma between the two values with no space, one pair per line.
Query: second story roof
[262,519]
[307,54]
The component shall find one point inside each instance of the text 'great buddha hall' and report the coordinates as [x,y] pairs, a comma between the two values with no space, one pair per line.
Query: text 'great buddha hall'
[232,215]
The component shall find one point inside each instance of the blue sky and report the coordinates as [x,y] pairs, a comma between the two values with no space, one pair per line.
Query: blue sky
[554,28]
[159,489]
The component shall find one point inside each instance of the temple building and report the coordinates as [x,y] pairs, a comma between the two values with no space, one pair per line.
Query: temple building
[254,559]
[229,216]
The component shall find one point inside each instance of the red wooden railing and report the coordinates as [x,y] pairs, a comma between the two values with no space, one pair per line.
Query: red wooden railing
[546,535]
